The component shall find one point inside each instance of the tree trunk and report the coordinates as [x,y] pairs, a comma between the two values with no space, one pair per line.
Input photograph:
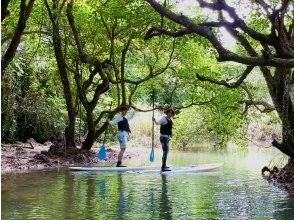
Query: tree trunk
[90,139]
[92,134]
[279,87]
[70,134]
[61,64]
[25,11]
[70,129]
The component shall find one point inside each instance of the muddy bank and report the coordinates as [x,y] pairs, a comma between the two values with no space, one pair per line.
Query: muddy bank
[20,157]
[283,177]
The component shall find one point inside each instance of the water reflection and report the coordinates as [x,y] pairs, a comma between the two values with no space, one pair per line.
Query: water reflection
[102,188]
[90,197]
[238,193]
[121,198]
[165,210]
[68,195]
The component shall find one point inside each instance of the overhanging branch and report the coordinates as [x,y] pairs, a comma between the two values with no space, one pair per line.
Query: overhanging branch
[266,107]
[235,84]
[176,107]
[154,31]
[224,54]
[221,5]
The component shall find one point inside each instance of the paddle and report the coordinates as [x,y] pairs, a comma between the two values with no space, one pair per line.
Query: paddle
[151,157]
[102,152]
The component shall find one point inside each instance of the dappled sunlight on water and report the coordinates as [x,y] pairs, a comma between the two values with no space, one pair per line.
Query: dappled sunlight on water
[235,191]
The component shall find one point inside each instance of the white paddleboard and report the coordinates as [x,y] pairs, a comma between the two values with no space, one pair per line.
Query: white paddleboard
[189,169]
[146,169]
[110,169]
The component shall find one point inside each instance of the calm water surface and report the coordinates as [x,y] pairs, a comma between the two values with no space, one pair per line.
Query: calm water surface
[235,191]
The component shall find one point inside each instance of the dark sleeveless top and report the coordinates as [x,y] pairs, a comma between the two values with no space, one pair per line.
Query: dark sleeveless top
[124,125]
[167,128]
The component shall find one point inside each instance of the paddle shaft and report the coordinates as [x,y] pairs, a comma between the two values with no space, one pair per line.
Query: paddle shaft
[105,133]
[153,97]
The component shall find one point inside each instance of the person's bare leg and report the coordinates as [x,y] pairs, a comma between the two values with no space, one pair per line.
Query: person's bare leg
[120,154]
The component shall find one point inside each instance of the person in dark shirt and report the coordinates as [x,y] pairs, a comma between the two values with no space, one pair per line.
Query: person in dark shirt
[166,126]
[123,132]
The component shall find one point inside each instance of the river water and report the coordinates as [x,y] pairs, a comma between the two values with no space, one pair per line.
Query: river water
[235,191]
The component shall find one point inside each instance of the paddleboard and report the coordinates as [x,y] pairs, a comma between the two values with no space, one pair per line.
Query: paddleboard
[112,169]
[189,169]
[146,169]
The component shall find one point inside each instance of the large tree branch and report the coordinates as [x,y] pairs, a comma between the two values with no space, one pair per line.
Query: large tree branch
[251,51]
[193,103]
[144,110]
[132,93]
[266,106]
[224,54]
[176,107]
[110,113]
[71,22]
[105,25]
[284,147]
[92,61]
[235,84]
[100,89]
[154,31]
[25,11]
[4,9]
[90,79]
[83,56]
[219,24]
[266,7]
[50,13]
[60,10]
[78,79]
[122,68]
[221,5]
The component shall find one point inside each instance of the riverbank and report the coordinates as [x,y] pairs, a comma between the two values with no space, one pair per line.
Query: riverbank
[22,157]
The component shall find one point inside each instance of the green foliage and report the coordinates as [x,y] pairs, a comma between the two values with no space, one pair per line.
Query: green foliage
[32,95]
[8,122]
[189,129]
[215,123]
[31,108]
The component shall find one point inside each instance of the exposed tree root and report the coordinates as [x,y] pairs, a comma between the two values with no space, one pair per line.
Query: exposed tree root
[283,177]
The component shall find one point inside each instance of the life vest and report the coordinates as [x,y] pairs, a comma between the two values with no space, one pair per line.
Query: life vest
[124,125]
[167,128]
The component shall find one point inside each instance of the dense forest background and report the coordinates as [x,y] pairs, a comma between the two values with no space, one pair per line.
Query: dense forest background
[68,65]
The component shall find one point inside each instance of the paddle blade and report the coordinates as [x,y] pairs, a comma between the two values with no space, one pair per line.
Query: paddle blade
[102,152]
[151,157]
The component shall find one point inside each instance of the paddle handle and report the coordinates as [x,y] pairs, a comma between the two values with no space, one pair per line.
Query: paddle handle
[153,98]
[105,133]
